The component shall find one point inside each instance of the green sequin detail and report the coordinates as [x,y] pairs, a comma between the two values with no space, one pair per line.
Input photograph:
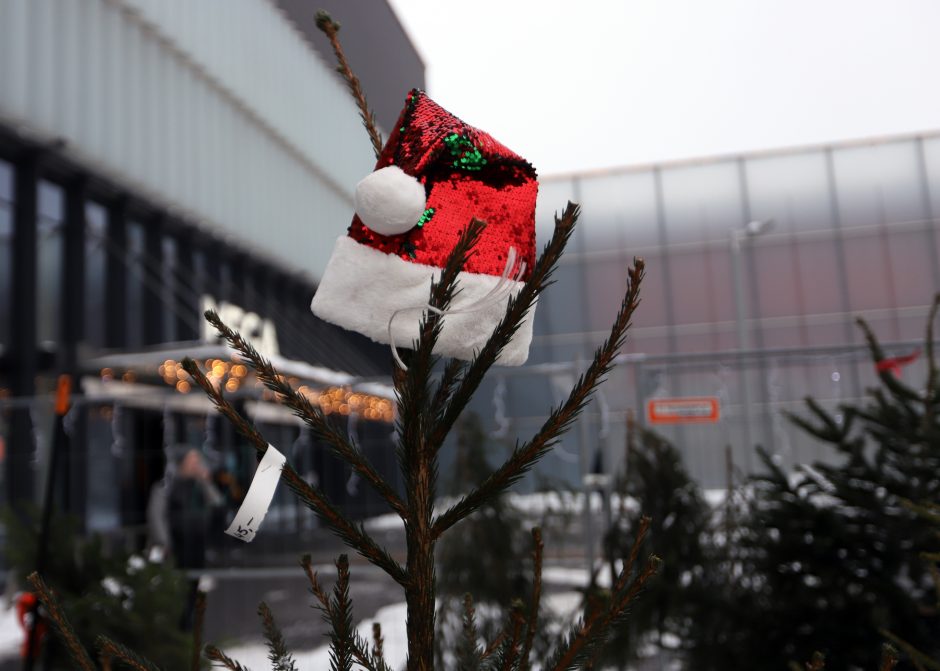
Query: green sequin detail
[466,155]
[426,217]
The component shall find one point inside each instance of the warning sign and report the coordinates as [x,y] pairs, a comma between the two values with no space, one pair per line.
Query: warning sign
[684,410]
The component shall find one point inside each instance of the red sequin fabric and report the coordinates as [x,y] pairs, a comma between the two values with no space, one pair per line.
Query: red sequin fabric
[466,174]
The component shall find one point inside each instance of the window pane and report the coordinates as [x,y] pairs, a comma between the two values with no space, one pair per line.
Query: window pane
[50,262]
[96,254]
[170,305]
[135,284]
[702,202]
[6,251]
[619,213]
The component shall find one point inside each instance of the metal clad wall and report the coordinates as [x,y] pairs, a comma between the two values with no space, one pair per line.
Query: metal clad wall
[216,109]
[855,233]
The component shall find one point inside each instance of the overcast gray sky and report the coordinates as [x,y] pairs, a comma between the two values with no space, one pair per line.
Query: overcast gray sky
[592,84]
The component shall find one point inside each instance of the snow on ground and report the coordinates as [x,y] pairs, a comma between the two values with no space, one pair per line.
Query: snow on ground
[11,633]
[540,504]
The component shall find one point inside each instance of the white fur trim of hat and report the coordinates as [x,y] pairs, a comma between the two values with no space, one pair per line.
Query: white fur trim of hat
[362,288]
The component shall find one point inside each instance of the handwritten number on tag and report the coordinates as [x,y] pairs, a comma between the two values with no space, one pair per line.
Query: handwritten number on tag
[245,530]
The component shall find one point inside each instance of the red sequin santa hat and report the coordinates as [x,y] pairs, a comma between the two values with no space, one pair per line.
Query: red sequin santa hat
[434,176]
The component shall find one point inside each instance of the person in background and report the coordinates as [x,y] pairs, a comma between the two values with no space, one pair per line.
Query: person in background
[191,498]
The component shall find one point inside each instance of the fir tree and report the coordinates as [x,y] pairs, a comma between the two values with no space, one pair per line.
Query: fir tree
[655,483]
[429,406]
[831,556]
[105,591]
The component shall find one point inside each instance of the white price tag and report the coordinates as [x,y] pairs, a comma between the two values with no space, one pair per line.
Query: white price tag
[256,503]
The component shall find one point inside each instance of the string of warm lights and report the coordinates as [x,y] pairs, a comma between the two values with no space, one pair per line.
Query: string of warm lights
[233,376]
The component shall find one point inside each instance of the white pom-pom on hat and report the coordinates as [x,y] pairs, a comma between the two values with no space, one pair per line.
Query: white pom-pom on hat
[390,201]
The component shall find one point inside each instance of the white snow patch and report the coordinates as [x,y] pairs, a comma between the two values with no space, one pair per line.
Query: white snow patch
[565,605]
[387,522]
[11,633]
[576,577]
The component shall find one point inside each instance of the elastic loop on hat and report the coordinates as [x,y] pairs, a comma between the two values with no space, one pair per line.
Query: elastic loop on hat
[498,293]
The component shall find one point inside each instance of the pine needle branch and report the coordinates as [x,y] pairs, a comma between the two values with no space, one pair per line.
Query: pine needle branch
[281,659]
[525,456]
[313,497]
[311,415]
[469,655]
[331,29]
[112,650]
[508,652]
[537,551]
[932,392]
[77,651]
[494,645]
[900,390]
[341,656]
[371,661]
[221,658]
[199,620]
[517,308]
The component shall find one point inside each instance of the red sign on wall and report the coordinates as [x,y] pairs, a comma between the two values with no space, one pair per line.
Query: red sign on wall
[683,410]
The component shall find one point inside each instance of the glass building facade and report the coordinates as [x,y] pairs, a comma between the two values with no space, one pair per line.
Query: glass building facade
[153,164]
[757,266]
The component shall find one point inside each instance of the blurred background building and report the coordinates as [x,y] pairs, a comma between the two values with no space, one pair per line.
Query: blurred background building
[758,265]
[156,159]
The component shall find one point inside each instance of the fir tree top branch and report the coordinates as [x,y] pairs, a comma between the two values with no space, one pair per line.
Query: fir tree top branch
[341,655]
[77,651]
[370,661]
[281,659]
[311,415]
[330,28]
[516,310]
[900,390]
[413,387]
[313,497]
[468,648]
[527,455]
[932,392]
[538,548]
